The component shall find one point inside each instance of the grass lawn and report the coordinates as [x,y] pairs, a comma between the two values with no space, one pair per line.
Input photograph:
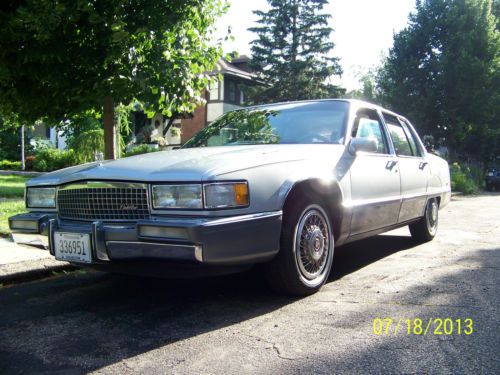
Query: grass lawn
[11,199]
[12,186]
[9,207]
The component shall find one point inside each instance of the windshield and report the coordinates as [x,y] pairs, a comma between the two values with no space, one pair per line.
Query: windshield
[306,122]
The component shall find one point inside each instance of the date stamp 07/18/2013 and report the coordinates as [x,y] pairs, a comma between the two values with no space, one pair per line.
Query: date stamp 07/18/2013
[423,327]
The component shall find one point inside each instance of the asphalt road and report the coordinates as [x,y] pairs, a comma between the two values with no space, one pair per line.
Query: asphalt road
[95,322]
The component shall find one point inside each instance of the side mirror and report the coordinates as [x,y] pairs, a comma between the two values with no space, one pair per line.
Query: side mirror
[362,144]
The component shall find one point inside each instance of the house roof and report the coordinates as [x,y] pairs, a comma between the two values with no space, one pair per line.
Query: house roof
[238,67]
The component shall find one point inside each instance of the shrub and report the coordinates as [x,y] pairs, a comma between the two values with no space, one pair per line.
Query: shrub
[29,162]
[50,159]
[140,149]
[10,165]
[462,180]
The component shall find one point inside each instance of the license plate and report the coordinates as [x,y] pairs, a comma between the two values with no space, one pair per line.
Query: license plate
[72,247]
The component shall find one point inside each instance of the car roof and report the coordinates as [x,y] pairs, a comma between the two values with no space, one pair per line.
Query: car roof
[355,104]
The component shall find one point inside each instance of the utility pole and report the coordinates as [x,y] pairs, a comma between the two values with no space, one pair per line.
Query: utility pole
[118,133]
[22,148]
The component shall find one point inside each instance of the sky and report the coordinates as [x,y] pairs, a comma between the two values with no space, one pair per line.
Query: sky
[363,31]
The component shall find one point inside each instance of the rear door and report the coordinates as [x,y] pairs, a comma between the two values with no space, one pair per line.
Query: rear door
[413,168]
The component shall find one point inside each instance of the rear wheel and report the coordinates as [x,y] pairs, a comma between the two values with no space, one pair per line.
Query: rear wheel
[305,258]
[425,229]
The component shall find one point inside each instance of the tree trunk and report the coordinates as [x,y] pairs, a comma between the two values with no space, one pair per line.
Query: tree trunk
[109,128]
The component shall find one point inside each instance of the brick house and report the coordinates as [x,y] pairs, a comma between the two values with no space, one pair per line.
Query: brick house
[224,96]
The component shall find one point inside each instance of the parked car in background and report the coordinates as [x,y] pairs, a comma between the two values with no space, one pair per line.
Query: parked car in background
[282,185]
[492,179]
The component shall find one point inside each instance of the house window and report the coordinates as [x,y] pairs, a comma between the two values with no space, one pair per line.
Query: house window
[214,90]
[231,92]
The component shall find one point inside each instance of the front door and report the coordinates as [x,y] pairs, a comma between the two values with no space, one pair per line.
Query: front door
[375,179]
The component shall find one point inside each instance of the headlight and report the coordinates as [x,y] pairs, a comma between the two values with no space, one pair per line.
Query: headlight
[231,194]
[490,174]
[177,196]
[41,198]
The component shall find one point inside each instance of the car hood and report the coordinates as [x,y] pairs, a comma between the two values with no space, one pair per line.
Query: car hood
[191,164]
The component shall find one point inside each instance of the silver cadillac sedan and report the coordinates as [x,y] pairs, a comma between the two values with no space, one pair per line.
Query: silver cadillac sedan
[280,185]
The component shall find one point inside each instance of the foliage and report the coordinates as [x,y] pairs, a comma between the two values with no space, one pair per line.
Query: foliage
[87,144]
[49,159]
[160,141]
[60,59]
[140,149]
[291,52]
[10,138]
[12,186]
[462,179]
[9,208]
[124,122]
[368,90]
[175,131]
[10,165]
[443,73]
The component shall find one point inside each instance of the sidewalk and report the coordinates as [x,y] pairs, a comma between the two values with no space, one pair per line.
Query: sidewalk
[20,262]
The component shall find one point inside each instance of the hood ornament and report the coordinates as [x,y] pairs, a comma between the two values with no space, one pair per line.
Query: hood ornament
[98,157]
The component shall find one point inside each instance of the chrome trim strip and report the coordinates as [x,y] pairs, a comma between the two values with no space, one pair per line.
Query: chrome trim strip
[365,202]
[242,218]
[149,243]
[102,184]
[198,250]
[394,198]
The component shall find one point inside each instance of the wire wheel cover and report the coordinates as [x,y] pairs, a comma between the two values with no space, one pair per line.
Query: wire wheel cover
[431,215]
[312,244]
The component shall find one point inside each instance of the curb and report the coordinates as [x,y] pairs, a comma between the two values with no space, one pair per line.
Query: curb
[30,270]
[21,173]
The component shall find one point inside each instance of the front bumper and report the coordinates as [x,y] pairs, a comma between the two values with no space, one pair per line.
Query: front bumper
[237,240]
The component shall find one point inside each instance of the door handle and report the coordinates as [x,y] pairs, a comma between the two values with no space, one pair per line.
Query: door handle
[391,164]
[422,165]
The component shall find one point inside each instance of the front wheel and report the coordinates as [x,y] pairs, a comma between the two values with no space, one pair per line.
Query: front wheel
[305,258]
[425,229]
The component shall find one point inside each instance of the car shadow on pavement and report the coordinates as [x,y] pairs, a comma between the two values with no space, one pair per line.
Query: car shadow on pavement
[354,256]
[87,320]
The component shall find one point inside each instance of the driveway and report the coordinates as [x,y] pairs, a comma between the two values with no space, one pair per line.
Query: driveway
[94,322]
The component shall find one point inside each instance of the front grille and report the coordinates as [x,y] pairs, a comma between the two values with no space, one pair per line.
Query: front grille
[120,202]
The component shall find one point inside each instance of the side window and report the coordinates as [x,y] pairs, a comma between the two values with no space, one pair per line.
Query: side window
[412,139]
[367,125]
[400,141]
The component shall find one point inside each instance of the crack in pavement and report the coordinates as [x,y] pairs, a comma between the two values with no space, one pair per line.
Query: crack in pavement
[275,347]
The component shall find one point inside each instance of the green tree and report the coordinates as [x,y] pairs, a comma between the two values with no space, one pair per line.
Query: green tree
[443,73]
[65,57]
[292,52]
[368,89]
